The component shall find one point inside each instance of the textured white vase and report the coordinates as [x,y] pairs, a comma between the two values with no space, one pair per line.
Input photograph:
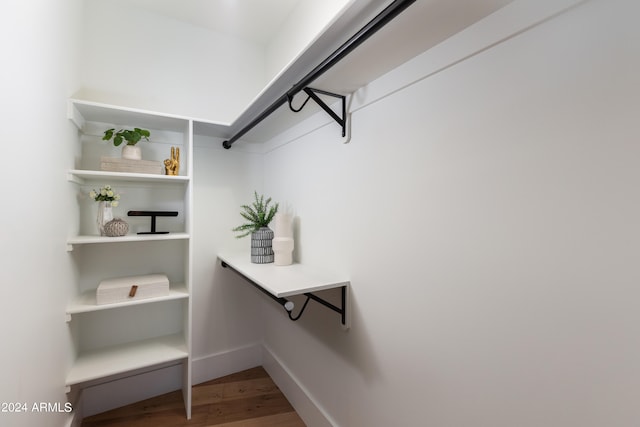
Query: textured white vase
[283,239]
[132,152]
[105,214]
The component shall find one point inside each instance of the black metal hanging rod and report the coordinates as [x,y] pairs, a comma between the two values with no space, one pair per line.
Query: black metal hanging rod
[390,12]
[289,305]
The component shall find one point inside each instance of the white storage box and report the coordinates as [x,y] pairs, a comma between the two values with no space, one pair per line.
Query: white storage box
[132,288]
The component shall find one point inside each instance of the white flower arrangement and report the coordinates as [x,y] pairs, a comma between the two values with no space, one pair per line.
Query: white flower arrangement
[105,194]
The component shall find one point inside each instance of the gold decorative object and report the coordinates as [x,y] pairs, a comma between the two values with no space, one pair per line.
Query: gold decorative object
[172,165]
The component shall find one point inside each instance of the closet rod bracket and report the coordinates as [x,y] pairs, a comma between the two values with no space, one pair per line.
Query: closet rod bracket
[289,305]
[312,94]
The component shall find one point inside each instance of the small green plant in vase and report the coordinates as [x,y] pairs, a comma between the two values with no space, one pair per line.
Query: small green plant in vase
[132,136]
[258,215]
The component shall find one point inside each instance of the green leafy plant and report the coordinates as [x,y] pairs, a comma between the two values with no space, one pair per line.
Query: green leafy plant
[131,136]
[258,214]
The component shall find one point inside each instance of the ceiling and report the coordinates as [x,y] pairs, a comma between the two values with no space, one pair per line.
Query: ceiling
[420,27]
[256,21]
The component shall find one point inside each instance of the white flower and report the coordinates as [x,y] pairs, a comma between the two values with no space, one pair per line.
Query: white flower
[105,194]
[115,204]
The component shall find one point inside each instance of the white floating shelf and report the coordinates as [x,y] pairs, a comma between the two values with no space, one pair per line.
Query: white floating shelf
[281,282]
[85,240]
[127,357]
[86,302]
[80,176]
[287,280]
[82,111]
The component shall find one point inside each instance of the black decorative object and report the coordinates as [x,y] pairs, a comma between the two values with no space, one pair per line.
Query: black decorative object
[153,215]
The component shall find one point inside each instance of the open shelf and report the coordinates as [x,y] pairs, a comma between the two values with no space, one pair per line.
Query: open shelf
[80,176]
[284,281]
[86,302]
[85,240]
[280,282]
[82,111]
[126,357]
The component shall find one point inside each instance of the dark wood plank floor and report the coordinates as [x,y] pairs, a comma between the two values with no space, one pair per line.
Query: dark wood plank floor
[245,399]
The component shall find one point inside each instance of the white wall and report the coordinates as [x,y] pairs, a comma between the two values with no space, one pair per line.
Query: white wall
[226,311]
[143,60]
[487,216]
[301,28]
[39,46]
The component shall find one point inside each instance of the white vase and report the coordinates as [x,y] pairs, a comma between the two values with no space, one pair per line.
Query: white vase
[283,239]
[132,152]
[282,250]
[105,214]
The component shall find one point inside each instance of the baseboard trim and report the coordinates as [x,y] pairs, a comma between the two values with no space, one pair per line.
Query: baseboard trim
[218,365]
[296,393]
[134,388]
[102,397]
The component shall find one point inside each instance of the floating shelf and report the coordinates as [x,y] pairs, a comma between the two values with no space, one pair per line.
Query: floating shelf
[280,282]
[86,302]
[119,359]
[85,240]
[80,176]
[81,111]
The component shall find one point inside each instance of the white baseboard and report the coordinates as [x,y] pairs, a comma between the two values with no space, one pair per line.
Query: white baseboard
[229,362]
[114,394]
[311,413]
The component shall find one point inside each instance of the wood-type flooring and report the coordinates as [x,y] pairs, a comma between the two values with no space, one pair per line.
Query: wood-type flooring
[246,399]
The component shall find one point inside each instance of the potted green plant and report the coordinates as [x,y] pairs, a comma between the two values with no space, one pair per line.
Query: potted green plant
[258,215]
[132,136]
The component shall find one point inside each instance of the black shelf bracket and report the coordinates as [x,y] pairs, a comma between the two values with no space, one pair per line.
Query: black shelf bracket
[312,94]
[153,215]
[290,305]
[390,12]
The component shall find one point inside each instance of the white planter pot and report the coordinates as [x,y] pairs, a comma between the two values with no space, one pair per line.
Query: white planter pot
[131,152]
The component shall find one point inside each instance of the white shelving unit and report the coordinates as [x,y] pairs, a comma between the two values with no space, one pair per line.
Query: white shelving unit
[160,331]
[281,282]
